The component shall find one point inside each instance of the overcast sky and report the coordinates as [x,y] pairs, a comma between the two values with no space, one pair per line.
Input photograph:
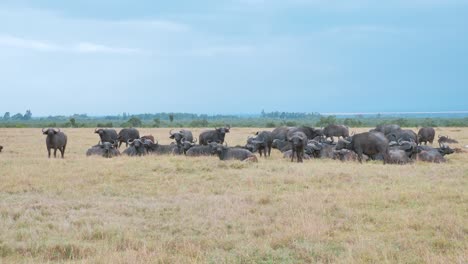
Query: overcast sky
[236,56]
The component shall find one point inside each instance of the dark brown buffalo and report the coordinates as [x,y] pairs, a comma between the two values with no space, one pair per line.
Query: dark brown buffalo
[426,134]
[373,144]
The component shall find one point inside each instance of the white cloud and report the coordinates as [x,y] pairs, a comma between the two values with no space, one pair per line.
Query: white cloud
[223,50]
[15,42]
[45,46]
[86,47]
[163,25]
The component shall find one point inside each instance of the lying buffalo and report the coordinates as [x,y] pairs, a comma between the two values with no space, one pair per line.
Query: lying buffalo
[426,134]
[386,129]
[107,135]
[446,140]
[137,147]
[289,155]
[373,144]
[182,134]
[402,135]
[261,143]
[158,149]
[106,150]
[148,137]
[200,150]
[227,153]
[216,135]
[298,141]
[281,145]
[336,131]
[347,155]
[55,140]
[127,134]
[435,155]
[402,152]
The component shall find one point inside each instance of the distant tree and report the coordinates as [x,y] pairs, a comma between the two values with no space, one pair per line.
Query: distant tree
[157,122]
[27,115]
[326,120]
[18,116]
[171,117]
[6,116]
[270,124]
[402,122]
[73,122]
[263,113]
[135,122]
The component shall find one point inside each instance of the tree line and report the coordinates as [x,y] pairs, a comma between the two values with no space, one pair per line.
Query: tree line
[269,120]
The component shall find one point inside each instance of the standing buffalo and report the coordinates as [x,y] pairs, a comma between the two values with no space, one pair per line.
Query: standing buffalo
[216,135]
[372,144]
[227,153]
[386,129]
[298,142]
[55,140]
[182,134]
[127,134]
[105,149]
[426,134]
[262,142]
[107,135]
[336,131]
[282,132]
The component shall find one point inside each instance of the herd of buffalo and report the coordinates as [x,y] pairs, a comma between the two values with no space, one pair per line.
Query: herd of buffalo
[388,143]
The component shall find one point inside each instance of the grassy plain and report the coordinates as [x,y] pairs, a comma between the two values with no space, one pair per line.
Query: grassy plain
[173,209]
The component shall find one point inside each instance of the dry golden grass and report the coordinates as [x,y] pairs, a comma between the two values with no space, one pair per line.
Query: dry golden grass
[172,209]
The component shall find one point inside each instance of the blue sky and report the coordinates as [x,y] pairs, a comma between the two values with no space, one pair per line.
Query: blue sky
[236,56]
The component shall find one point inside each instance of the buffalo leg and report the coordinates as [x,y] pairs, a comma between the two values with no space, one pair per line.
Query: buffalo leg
[292,155]
[55,152]
[62,150]
[299,156]
[48,150]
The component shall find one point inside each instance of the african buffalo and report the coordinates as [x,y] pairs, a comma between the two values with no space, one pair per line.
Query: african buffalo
[200,150]
[216,135]
[136,148]
[298,141]
[1,148]
[402,135]
[446,140]
[386,129]
[435,155]
[127,134]
[289,155]
[106,150]
[281,144]
[227,153]
[150,137]
[182,134]
[107,135]
[426,134]
[262,142]
[158,149]
[336,131]
[55,140]
[373,144]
